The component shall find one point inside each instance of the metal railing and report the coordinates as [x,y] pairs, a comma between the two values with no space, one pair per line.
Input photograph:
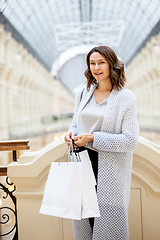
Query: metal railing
[9,188]
[5,217]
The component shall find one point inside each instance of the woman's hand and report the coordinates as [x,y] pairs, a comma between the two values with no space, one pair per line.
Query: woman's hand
[82,139]
[68,137]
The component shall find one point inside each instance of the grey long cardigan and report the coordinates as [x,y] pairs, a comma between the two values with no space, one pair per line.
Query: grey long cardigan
[115,143]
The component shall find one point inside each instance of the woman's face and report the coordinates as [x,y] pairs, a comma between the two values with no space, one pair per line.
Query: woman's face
[99,67]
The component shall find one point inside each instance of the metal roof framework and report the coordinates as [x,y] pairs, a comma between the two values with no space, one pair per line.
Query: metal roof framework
[53,26]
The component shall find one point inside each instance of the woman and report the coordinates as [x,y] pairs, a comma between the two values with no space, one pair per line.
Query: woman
[105,123]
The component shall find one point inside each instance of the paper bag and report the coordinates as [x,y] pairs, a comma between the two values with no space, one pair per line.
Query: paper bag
[63,191]
[89,199]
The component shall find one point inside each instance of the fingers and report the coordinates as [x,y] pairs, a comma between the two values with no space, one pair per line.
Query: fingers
[73,134]
[68,137]
[75,138]
[78,140]
[82,139]
[78,143]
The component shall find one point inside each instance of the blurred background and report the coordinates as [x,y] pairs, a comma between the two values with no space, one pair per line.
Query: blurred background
[43,46]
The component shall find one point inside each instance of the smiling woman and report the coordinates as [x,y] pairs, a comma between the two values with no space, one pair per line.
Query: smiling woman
[103,59]
[105,123]
[99,66]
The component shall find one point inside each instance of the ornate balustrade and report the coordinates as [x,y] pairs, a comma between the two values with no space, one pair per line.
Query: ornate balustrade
[8,189]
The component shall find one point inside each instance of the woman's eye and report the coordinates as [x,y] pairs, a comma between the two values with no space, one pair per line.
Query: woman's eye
[92,63]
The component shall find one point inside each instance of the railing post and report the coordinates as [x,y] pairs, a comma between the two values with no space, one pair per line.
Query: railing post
[14,156]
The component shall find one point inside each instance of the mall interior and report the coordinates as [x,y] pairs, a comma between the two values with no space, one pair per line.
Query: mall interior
[43,48]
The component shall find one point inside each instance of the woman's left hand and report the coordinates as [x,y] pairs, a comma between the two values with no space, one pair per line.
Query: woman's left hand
[82,139]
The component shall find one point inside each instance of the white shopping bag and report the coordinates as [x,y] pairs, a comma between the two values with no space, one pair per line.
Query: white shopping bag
[89,199]
[84,158]
[63,191]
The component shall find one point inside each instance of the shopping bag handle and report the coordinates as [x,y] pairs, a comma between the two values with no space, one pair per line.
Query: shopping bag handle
[64,155]
[71,150]
[74,150]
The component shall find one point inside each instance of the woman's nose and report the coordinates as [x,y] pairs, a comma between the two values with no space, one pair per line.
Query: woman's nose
[96,66]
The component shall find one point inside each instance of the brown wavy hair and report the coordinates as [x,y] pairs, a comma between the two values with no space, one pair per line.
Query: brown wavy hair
[117,74]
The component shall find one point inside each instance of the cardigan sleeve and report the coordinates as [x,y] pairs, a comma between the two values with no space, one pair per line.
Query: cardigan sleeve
[123,142]
[73,126]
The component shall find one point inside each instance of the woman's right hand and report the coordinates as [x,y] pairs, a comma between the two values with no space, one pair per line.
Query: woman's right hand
[68,137]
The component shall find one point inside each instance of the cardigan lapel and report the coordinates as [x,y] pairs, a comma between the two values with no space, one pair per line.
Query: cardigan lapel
[86,96]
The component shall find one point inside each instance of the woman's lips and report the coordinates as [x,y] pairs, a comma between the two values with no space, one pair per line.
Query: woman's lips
[98,73]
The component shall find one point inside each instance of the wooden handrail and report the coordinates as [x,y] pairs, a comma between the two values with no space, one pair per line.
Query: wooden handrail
[14,145]
[3,171]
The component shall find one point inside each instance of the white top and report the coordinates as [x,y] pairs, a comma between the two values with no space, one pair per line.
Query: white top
[91,117]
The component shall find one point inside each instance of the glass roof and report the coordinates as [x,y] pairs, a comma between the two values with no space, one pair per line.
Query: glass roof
[53,26]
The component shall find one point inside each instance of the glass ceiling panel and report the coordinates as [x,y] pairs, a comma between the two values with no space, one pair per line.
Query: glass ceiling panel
[53,26]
